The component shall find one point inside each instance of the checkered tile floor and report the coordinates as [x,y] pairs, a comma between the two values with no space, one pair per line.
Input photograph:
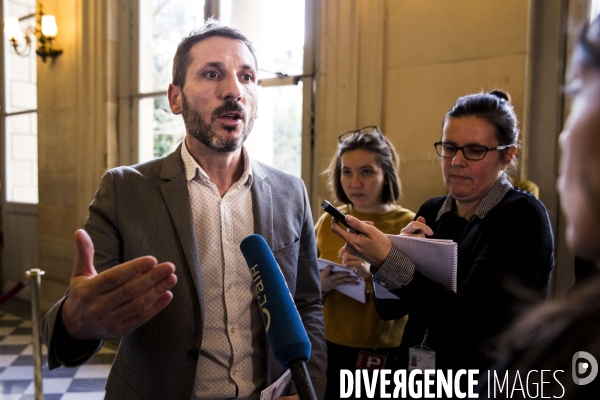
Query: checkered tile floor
[16,368]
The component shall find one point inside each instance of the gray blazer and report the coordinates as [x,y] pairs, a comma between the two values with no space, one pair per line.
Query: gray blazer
[145,210]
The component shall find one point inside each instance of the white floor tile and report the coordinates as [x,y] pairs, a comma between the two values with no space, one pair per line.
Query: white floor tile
[83,396]
[51,386]
[6,330]
[7,359]
[11,396]
[16,339]
[93,371]
[16,373]
[9,317]
[107,350]
[28,351]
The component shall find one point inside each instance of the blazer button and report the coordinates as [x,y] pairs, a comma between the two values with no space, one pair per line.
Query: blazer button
[193,354]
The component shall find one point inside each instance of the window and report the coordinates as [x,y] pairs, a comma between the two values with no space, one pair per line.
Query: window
[594,9]
[162,25]
[20,118]
[278,37]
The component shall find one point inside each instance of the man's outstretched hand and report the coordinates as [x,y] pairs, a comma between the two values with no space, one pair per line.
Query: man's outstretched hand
[117,301]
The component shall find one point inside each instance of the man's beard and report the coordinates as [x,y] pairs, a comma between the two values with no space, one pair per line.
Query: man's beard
[199,129]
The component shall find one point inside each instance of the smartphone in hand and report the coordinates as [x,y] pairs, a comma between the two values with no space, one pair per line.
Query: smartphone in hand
[336,213]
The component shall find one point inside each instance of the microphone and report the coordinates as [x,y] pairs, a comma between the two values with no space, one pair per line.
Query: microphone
[287,337]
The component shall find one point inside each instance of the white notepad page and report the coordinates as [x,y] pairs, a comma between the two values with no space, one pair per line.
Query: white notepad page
[434,258]
[357,292]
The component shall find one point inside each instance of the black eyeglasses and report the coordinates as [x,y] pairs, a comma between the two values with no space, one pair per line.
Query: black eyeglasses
[472,152]
[367,129]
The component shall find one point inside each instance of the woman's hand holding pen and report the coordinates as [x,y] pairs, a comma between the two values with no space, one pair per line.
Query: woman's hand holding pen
[417,228]
[370,244]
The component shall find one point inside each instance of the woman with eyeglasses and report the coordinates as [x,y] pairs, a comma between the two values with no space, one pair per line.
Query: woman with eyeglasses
[505,243]
[363,176]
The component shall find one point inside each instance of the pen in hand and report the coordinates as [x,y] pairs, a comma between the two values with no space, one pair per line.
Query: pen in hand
[411,229]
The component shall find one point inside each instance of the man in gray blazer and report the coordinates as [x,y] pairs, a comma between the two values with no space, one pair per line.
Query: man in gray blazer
[161,266]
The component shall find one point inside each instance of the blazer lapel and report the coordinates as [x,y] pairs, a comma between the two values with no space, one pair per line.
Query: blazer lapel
[262,207]
[262,204]
[177,199]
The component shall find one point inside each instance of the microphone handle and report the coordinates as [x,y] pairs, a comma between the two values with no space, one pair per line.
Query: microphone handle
[302,380]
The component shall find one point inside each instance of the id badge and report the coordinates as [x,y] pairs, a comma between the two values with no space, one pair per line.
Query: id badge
[421,357]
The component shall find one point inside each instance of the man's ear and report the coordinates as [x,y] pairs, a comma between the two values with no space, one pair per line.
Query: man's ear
[175,96]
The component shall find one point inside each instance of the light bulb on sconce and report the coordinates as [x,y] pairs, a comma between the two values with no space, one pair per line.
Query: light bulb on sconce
[12,29]
[44,31]
[49,28]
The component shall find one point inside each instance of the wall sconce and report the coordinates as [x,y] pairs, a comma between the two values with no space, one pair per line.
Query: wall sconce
[44,32]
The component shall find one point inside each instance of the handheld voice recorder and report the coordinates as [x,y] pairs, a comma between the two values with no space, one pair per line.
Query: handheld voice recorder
[336,213]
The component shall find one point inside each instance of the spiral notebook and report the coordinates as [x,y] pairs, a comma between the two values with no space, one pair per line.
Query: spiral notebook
[434,258]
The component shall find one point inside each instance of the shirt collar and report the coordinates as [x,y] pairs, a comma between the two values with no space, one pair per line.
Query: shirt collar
[193,171]
[489,201]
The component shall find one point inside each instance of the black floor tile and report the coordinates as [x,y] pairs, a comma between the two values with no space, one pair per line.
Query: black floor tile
[28,360]
[102,359]
[14,387]
[61,372]
[46,396]
[87,385]
[17,307]
[21,331]
[12,348]
[10,323]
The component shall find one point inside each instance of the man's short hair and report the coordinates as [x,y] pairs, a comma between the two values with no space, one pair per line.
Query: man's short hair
[211,28]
